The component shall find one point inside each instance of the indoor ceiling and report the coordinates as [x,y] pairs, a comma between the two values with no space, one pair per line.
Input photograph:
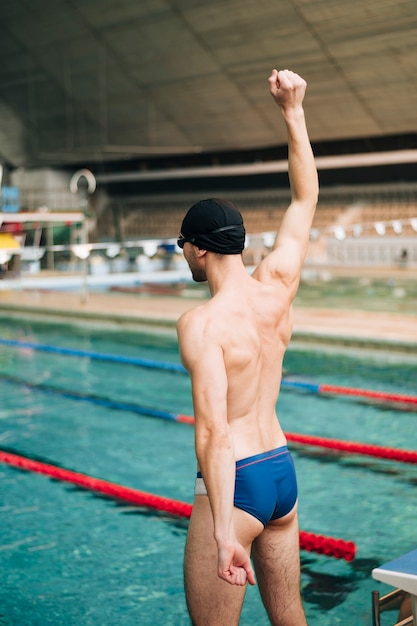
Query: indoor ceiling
[84,80]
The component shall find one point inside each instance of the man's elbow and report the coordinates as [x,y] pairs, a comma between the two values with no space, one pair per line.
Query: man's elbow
[212,437]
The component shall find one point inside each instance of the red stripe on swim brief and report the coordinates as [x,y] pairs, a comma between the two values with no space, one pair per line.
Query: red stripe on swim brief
[267,458]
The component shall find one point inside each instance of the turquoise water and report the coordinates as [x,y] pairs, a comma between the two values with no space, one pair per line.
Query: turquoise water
[69,557]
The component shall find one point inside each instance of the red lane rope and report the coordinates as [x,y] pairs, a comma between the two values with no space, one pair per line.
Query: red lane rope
[366,449]
[329,546]
[338,548]
[187,419]
[394,454]
[113,490]
[367,393]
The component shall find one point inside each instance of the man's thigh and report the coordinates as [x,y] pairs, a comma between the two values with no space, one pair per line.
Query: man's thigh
[210,600]
[276,557]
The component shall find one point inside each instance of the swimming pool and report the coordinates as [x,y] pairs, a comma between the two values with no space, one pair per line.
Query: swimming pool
[72,557]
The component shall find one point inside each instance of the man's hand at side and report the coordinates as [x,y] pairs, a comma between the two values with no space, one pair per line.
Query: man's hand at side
[234,565]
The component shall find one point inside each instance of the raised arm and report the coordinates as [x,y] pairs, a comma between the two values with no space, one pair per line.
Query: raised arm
[291,244]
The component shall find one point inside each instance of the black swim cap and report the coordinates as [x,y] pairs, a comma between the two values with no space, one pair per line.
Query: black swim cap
[214,225]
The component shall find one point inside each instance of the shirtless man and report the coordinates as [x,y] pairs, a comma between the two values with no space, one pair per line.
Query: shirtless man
[233,346]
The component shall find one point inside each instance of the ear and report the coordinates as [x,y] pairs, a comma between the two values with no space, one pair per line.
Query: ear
[201,252]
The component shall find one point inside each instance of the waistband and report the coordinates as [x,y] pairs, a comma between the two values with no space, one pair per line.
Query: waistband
[257,458]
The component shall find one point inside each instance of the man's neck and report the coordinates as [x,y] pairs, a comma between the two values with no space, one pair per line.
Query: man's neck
[225,272]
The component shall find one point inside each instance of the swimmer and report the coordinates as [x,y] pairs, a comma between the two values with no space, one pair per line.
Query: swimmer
[245,504]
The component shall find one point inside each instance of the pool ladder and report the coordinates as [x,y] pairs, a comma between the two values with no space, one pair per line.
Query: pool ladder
[378,602]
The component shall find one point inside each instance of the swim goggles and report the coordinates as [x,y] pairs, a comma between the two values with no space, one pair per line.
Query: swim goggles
[191,239]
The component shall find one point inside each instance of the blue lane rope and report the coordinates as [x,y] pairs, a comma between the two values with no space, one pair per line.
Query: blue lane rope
[401,400]
[97,356]
[93,399]
[302,385]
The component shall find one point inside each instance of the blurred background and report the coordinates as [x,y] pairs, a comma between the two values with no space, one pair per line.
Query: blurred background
[116,116]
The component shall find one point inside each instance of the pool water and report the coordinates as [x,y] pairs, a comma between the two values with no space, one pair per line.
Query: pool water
[70,557]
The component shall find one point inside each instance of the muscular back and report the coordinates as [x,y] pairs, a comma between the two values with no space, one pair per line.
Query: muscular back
[245,330]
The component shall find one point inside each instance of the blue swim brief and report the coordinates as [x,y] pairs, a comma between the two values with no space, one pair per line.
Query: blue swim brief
[266,485]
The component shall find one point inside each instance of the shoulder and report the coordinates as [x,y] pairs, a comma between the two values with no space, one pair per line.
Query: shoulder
[194,324]
[199,316]
[197,336]
[191,321]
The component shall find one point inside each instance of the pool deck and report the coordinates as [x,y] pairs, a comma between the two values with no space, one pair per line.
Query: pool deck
[394,332]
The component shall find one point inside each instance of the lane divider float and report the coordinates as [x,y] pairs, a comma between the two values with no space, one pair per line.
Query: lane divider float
[406,400]
[366,449]
[322,388]
[383,452]
[95,356]
[328,546]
